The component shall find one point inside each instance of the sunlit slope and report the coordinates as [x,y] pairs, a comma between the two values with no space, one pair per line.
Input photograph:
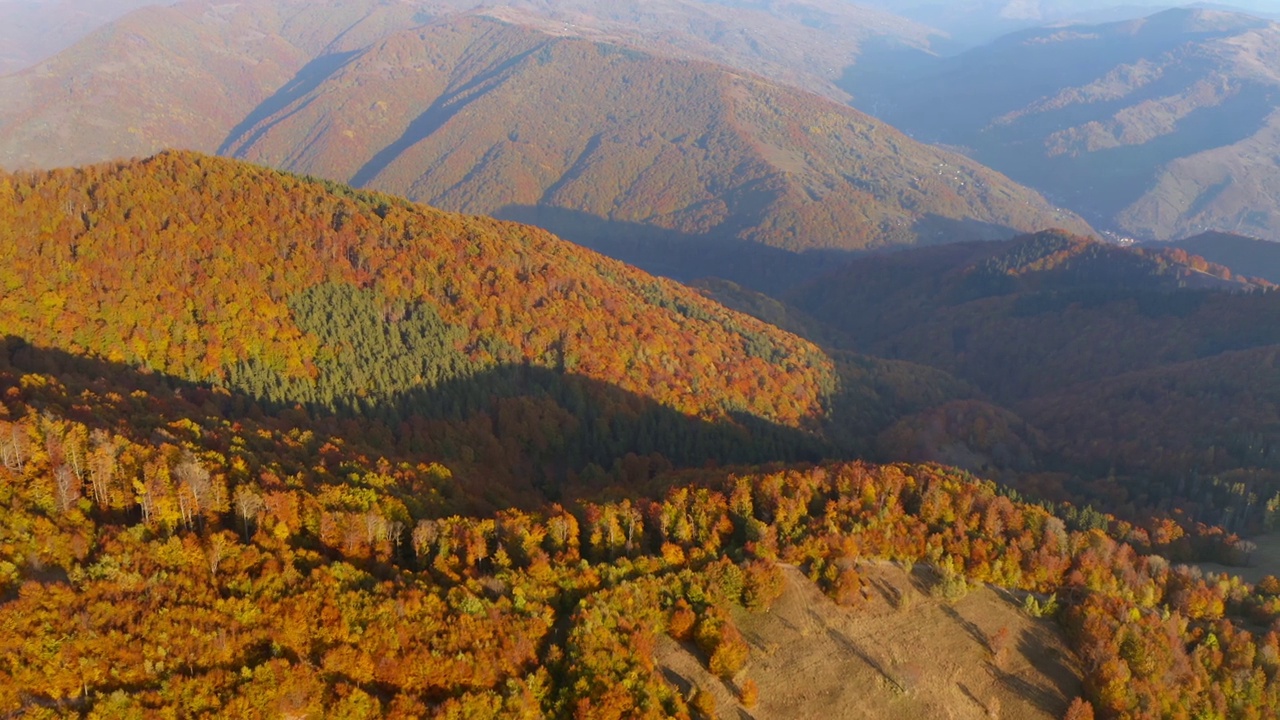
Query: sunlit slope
[174,77]
[210,269]
[604,143]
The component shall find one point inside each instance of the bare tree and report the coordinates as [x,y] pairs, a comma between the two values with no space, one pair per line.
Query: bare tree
[424,536]
[195,488]
[75,458]
[67,486]
[102,467]
[395,531]
[375,527]
[13,446]
[249,505]
[1246,548]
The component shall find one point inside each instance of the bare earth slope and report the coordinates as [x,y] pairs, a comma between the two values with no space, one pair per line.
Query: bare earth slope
[902,654]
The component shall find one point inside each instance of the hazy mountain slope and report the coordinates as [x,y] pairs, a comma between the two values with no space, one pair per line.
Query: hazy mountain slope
[1244,255]
[804,43]
[179,76]
[1174,352]
[971,22]
[1160,128]
[31,30]
[1041,311]
[604,144]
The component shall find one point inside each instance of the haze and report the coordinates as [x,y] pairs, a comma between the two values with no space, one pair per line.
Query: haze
[32,30]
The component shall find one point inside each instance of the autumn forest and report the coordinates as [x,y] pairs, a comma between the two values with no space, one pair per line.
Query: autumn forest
[732,401]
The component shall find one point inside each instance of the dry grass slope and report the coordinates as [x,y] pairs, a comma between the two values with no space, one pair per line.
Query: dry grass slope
[903,654]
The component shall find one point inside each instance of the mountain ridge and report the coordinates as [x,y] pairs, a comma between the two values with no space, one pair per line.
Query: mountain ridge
[682,147]
[668,163]
[1156,128]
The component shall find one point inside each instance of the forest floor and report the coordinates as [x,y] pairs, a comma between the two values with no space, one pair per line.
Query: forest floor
[903,653]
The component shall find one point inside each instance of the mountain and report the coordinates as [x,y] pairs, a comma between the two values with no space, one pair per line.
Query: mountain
[31,30]
[1244,255]
[186,76]
[271,446]
[436,331]
[1041,311]
[648,159]
[685,167]
[802,43]
[175,77]
[976,22]
[1157,128]
[1171,354]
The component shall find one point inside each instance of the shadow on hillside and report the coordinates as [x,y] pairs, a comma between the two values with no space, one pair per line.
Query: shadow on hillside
[884,66]
[678,255]
[442,110]
[308,79]
[512,435]
[934,229]
[686,256]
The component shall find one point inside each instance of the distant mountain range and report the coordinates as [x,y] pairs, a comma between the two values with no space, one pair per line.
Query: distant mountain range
[974,22]
[684,167]
[1158,128]
[31,30]
[604,145]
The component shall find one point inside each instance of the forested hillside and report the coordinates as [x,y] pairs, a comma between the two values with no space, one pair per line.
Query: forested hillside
[155,558]
[588,123]
[189,74]
[1133,378]
[1244,255]
[648,159]
[497,345]
[272,446]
